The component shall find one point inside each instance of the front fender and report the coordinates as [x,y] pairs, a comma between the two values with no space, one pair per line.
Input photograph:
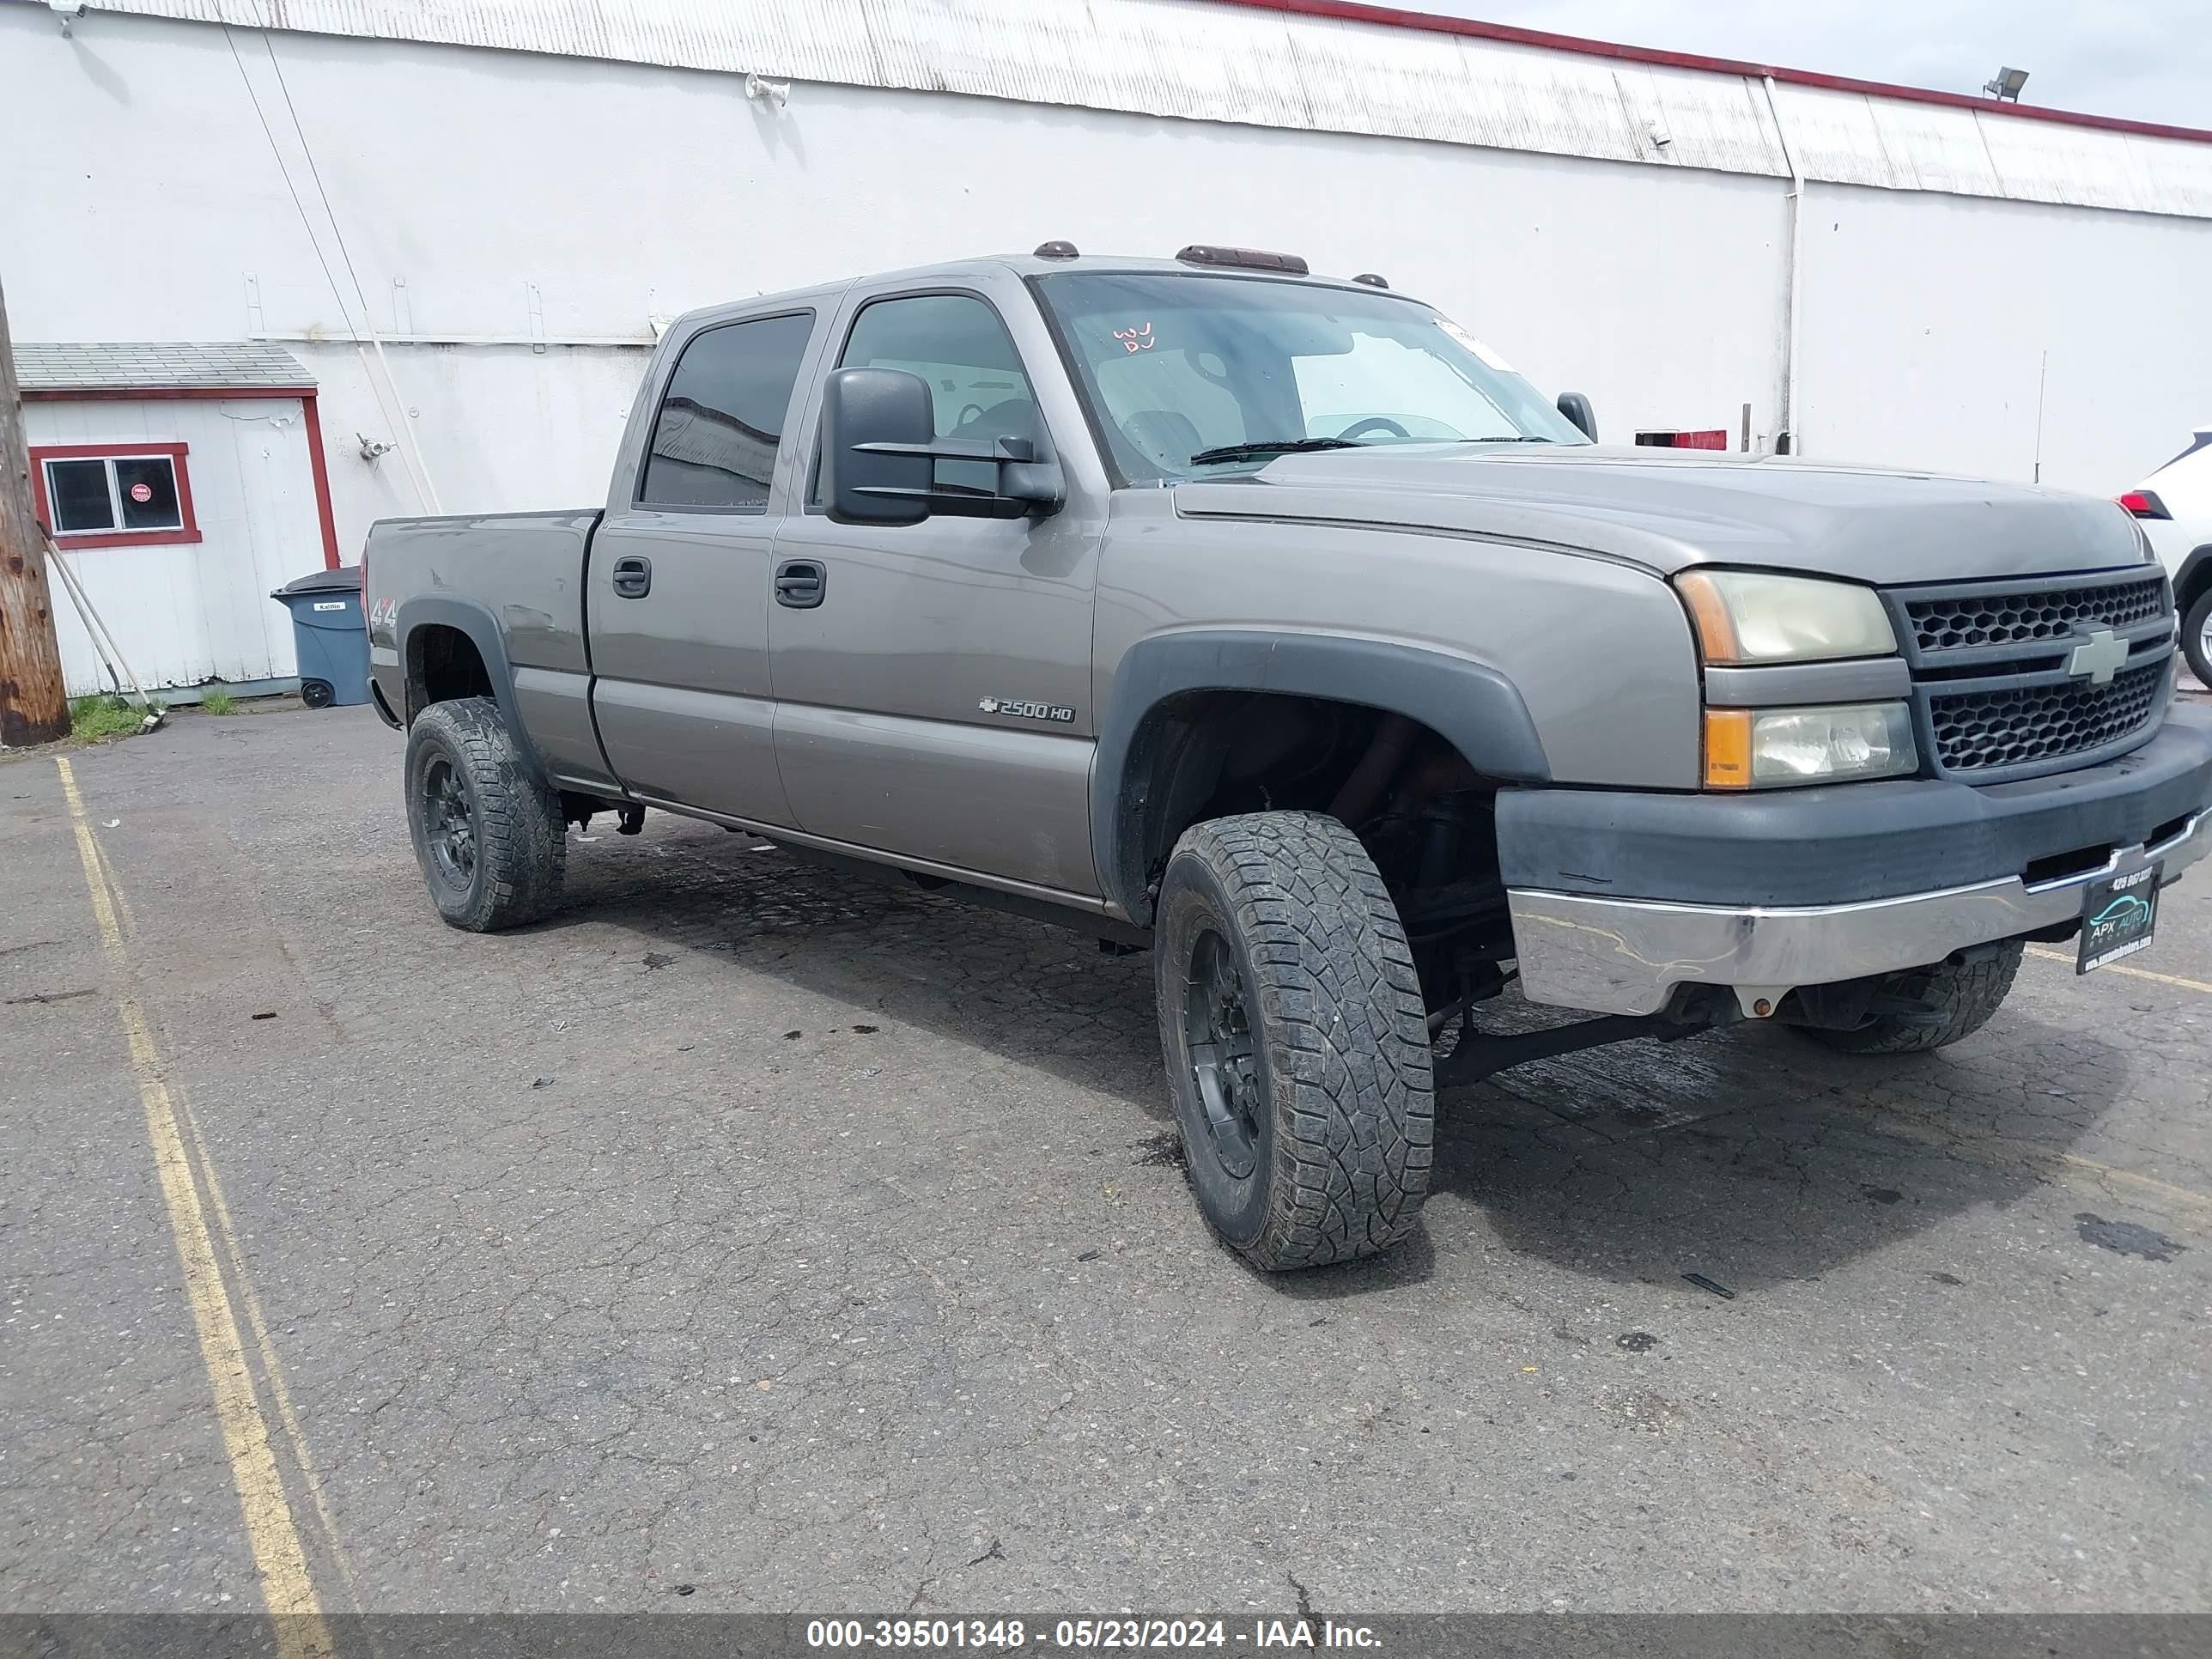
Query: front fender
[1473,706]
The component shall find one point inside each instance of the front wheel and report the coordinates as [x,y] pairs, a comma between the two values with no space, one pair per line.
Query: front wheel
[1296,1042]
[487,832]
[2196,637]
[1957,997]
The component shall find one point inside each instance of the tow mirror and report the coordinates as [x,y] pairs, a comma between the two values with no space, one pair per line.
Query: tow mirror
[1577,407]
[880,450]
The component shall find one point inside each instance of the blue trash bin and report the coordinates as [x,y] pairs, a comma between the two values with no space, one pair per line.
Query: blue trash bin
[330,634]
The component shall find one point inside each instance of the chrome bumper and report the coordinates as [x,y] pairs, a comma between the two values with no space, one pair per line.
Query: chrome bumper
[1627,956]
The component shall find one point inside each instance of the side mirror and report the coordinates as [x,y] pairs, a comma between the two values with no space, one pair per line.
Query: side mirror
[877,424]
[1577,407]
[880,450]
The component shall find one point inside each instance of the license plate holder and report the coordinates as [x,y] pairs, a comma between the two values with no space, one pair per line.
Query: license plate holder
[2118,915]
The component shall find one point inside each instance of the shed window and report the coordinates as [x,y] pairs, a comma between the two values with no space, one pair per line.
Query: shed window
[92,497]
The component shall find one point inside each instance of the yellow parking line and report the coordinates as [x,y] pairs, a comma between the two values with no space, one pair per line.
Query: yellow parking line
[278,1554]
[2122,967]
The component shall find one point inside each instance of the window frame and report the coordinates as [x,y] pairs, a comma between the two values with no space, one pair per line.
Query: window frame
[186,531]
[638,502]
[813,503]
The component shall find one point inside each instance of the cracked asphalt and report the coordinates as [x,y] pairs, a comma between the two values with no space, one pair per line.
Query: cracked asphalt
[758,1235]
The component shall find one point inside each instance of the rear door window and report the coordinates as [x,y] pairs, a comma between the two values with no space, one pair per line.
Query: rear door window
[721,419]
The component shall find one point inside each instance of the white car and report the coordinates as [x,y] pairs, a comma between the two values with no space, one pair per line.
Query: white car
[2174,505]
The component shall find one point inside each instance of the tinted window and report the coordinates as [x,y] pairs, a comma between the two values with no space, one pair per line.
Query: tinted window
[722,418]
[146,486]
[956,343]
[77,491]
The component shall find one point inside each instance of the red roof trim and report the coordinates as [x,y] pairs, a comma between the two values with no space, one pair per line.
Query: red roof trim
[1397,17]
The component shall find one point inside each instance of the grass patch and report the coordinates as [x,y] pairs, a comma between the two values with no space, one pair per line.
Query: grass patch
[215,700]
[96,718]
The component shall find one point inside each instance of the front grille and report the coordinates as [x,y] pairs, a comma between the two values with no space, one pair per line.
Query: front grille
[1986,731]
[1954,622]
[1992,697]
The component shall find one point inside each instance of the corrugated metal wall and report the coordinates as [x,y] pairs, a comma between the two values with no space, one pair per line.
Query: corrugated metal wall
[1199,60]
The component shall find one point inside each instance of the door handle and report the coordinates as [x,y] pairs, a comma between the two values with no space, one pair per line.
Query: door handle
[633,578]
[799,583]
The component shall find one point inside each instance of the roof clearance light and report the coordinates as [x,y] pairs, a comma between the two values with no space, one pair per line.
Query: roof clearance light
[1248,259]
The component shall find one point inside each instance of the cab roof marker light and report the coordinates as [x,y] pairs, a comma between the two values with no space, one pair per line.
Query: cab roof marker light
[1244,259]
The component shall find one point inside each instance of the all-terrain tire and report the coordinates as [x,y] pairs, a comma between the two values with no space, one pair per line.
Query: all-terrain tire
[463,752]
[1342,1114]
[1965,994]
[2196,626]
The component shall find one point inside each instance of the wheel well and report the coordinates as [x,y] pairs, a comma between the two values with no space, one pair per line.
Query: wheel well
[443,664]
[2193,580]
[1424,814]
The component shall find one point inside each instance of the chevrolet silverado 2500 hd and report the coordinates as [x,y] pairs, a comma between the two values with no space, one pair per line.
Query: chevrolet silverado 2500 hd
[1273,624]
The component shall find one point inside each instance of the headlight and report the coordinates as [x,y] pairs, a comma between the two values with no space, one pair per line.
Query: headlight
[1750,617]
[1764,747]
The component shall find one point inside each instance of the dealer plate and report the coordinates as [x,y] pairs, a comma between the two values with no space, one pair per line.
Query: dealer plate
[2117,916]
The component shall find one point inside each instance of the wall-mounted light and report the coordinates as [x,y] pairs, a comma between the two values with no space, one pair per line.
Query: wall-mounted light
[775,94]
[2005,86]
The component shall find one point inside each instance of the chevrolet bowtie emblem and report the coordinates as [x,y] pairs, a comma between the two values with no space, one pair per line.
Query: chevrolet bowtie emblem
[2100,656]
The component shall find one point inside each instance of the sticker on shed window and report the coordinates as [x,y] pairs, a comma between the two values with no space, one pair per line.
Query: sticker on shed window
[1490,359]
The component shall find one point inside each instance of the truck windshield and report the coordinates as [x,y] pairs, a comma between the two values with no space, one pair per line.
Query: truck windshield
[1200,376]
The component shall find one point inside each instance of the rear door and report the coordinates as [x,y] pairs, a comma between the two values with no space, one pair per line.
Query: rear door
[677,591]
[934,681]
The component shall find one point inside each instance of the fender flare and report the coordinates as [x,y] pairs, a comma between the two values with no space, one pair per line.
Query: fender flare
[1473,706]
[474,619]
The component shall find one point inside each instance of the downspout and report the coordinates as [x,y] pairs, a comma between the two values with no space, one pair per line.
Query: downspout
[1785,440]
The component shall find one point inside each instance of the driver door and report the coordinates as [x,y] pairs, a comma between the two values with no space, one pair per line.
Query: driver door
[933,681]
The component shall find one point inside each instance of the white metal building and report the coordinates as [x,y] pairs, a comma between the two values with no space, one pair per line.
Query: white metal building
[467,219]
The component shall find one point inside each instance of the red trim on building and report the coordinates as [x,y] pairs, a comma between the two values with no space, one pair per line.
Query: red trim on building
[314,423]
[71,394]
[1397,17]
[41,453]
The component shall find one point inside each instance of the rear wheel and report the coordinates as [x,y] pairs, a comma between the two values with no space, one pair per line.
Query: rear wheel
[2197,636]
[488,832]
[1956,997]
[1297,1043]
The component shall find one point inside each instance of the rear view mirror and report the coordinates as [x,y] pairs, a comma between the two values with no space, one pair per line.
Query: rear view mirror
[880,450]
[1577,407]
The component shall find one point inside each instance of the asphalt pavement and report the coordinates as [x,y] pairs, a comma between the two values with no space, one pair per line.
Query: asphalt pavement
[760,1237]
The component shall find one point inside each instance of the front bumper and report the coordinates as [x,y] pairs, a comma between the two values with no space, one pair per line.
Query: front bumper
[1627,952]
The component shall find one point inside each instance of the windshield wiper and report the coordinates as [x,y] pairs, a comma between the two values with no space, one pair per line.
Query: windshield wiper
[1252,452]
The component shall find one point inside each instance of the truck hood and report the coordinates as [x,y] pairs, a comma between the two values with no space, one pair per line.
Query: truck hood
[1669,509]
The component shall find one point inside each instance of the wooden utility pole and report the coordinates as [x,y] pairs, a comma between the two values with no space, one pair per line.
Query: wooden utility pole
[32,707]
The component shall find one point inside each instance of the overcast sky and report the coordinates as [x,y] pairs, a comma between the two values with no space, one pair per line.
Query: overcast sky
[2150,60]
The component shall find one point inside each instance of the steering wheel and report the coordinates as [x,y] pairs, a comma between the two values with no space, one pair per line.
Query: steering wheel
[969,412]
[1373,424]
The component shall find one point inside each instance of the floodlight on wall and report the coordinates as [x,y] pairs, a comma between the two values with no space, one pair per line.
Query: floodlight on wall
[68,11]
[2005,87]
[774,94]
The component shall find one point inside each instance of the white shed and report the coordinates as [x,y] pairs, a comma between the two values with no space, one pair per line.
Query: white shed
[181,483]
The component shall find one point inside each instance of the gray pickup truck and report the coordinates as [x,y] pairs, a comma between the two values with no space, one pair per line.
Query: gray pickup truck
[1273,624]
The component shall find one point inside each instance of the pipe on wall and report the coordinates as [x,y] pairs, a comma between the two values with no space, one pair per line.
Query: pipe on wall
[1785,440]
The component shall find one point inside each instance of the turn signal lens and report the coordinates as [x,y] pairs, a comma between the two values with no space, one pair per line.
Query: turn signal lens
[1766,748]
[1727,748]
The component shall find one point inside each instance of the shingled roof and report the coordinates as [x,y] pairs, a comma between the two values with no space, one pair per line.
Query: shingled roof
[158,366]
